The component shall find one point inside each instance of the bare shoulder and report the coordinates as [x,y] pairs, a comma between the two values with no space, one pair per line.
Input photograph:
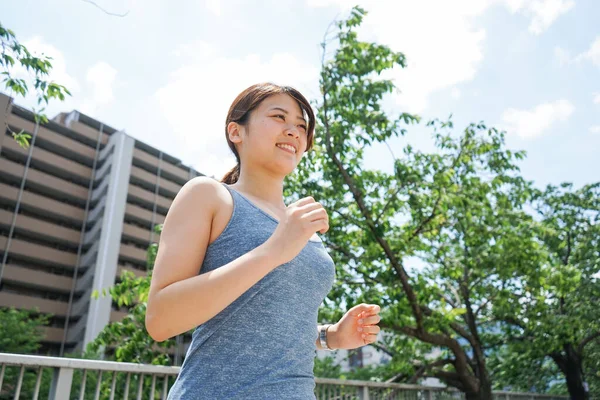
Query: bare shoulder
[208,200]
[202,191]
[189,227]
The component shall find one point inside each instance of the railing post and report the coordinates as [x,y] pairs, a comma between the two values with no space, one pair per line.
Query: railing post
[428,395]
[363,393]
[62,378]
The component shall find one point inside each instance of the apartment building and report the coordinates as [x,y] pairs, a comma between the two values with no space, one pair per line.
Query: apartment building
[87,196]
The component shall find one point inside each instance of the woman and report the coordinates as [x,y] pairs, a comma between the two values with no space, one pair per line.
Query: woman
[248,271]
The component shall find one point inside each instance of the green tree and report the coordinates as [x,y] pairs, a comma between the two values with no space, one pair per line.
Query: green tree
[459,212]
[572,236]
[22,330]
[560,319]
[327,368]
[13,55]
[515,368]
[21,333]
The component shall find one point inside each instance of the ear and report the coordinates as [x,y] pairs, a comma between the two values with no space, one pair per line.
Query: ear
[234,132]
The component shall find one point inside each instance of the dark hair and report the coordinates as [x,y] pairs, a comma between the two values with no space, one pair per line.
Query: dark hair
[251,98]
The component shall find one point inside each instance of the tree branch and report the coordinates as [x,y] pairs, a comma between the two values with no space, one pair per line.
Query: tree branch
[350,257]
[586,341]
[424,368]
[568,255]
[461,362]
[349,219]
[437,201]
[514,321]
[486,302]
[452,379]
[107,12]
[381,347]
[560,361]
[455,327]
[429,218]
[471,322]
[387,204]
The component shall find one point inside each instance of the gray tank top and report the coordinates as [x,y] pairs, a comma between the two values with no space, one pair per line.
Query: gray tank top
[261,346]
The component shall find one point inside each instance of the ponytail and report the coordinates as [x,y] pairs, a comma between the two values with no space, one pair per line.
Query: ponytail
[232,176]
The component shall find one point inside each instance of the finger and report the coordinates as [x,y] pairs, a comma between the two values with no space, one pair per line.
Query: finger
[369,314]
[372,320]
[316,215]
[308,207]
[361,308]
[320,226]
[368,339]
[358,309]
[374,308]
[371,329]
[303,201]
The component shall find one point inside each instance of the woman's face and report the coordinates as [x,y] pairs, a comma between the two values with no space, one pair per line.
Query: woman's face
[275,136]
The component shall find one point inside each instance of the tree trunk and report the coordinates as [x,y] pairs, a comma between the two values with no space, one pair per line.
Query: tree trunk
[485,390]
[571,365]
[574,374]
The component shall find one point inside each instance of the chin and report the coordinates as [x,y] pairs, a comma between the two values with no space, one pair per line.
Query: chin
[285,168]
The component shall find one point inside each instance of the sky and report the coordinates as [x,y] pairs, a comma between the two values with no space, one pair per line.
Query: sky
[166,72]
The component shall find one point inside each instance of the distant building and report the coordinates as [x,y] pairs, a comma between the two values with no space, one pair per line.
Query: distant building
[88,196]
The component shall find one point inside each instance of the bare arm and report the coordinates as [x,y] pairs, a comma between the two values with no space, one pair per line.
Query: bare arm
[179,298]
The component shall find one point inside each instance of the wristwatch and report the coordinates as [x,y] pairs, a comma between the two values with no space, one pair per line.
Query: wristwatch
[323,337]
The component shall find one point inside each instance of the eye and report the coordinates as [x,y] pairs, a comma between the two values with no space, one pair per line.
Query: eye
[303,127]
[280,116]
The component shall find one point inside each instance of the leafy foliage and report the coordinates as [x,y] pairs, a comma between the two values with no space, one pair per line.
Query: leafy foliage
[21,333]
[560,320]
[14,55]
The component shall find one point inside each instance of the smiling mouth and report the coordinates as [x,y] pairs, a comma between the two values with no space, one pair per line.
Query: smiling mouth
[286,147]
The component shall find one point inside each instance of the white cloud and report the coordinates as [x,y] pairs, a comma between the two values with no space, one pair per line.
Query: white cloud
[595,129]
[455,93]
[101,78]
[443,48]
[532,123]
[593,54]
[195,101]
[435,61]
[597,98]
[214,6]
[543,13]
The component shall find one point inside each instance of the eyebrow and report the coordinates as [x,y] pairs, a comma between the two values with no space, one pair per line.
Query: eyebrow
[286,112]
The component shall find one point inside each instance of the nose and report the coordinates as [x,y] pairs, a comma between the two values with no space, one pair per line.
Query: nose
[293,132]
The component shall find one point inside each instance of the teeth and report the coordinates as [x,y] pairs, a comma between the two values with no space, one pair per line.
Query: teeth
[287,146]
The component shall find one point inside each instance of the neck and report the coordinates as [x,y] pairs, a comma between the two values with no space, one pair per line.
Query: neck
[261,185]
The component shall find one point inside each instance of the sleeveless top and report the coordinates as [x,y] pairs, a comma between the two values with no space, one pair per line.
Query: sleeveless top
[261,346]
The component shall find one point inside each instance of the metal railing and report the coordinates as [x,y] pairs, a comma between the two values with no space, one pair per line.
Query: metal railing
[57,378]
